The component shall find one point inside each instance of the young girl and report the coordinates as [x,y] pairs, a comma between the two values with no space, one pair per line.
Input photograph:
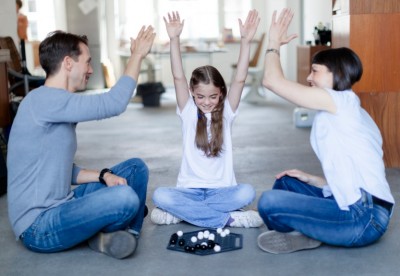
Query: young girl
[207,194]
[352,205]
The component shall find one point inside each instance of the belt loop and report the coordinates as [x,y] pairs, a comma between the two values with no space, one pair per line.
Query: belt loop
[367,199]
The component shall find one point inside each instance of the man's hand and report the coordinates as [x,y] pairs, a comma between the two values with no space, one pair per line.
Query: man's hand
[113,180]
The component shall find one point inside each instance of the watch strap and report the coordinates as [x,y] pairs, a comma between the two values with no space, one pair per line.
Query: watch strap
[102,172]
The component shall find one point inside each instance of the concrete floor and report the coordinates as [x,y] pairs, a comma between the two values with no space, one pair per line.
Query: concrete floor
[265,142]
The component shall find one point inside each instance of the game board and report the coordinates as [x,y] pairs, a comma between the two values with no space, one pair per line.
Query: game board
[205,241]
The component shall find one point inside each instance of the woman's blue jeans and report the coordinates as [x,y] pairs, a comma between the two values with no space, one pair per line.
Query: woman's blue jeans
[94,208]
[295,205]
[204,207]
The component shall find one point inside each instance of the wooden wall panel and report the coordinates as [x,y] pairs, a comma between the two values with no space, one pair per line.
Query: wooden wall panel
[384,108]
[373,6]
[377,42]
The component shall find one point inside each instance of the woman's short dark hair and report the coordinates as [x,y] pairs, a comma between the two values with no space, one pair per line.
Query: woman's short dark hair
[56,46]
[344,64]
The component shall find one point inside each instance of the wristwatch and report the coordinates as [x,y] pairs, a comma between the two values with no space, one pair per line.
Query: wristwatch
[101,176]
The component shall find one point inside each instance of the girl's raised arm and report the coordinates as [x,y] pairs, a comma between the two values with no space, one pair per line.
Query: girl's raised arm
[174,27]
[247,32]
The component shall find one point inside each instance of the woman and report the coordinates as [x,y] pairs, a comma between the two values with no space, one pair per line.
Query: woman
[352,204]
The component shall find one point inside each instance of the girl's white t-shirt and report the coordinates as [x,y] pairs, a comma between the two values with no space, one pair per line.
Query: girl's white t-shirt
[197,170]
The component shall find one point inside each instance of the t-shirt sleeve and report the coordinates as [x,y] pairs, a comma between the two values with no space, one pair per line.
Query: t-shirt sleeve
[60,106]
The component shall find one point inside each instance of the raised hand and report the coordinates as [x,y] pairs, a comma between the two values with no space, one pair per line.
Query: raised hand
[174,24]
[140,47]
[249,28]
[143,42]
[278,29]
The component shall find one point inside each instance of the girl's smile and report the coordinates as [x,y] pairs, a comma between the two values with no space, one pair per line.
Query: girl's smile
[206,97]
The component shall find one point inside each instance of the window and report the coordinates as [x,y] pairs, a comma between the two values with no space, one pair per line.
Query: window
[234,9]
[41,18]
[204,19]
[201,18]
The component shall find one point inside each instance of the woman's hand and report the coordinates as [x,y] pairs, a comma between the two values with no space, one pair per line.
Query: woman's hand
[278,29]
[304,177]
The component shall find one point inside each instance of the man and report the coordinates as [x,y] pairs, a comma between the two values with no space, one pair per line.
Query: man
[107,208]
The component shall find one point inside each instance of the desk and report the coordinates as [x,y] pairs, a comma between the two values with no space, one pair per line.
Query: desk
[192,52]
[5,118]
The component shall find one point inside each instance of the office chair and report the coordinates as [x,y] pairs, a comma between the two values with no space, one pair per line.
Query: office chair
[20,79]
[254,72]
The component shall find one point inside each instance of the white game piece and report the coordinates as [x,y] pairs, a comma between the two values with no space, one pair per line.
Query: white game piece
[219,230]
[222,234]
[200,235]
[179,233]
[211,237]
[217,248]
[227,231]
[204,243]
[193,239]
[206,234]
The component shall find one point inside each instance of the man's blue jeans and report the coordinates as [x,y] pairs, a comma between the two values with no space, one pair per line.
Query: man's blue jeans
[204,207]
[94,208]
[295,205]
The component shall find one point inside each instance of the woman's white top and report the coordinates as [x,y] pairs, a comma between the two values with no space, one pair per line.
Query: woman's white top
[349,147]
[198,170]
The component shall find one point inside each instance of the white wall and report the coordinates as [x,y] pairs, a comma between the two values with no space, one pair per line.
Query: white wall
[315,11]
[8,19]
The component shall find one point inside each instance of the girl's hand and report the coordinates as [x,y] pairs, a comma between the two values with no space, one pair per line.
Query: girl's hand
[278,29]
[249,28]
[174,24]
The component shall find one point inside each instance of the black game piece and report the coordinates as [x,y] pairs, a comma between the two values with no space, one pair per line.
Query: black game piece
[173,239]
[181,242]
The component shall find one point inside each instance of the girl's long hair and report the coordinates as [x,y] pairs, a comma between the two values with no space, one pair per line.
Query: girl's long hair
[213,147]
